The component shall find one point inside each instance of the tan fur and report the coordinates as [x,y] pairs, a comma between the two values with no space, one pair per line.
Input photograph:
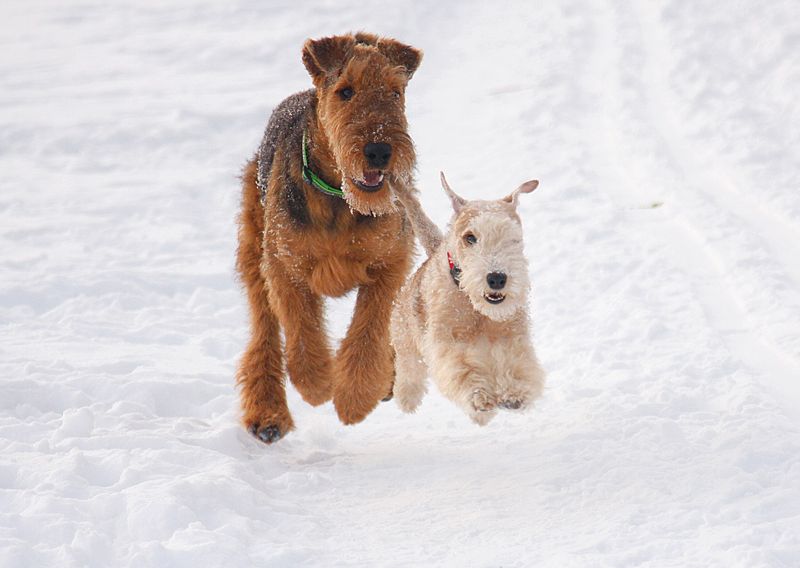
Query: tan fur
[479,355]
[303,244]
[426,230]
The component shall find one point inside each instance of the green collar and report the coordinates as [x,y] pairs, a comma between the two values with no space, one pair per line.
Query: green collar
[314,179]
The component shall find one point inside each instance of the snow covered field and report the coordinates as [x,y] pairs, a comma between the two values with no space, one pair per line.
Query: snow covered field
[664,244]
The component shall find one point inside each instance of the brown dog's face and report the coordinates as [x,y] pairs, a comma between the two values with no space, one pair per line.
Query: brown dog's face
[361,82]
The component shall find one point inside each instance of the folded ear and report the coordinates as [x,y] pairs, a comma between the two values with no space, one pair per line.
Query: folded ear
[326,56]
[457,201]
[401,54]
[526,187]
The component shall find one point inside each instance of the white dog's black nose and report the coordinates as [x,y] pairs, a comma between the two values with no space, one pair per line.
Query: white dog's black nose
[496,280]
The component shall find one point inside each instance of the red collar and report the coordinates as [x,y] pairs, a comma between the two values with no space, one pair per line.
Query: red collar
[455,271]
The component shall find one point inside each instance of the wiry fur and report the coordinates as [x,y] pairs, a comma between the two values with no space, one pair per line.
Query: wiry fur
[479,354]
[300,244]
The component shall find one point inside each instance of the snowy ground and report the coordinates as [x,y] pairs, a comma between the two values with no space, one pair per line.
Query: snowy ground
[665,252]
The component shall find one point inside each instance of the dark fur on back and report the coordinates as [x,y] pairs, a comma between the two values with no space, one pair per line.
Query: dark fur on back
[286,121]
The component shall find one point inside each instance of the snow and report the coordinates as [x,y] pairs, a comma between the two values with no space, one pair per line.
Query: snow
[664,244]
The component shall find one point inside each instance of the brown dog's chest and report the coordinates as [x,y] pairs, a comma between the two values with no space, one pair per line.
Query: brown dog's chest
[337,254]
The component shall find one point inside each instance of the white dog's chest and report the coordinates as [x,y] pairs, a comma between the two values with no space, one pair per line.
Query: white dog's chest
[499,358]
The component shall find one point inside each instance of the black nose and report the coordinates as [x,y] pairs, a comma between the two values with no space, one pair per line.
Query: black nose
[378,154]
[496,280]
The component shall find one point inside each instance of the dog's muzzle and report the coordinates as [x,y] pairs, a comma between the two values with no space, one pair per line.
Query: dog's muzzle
[494,297]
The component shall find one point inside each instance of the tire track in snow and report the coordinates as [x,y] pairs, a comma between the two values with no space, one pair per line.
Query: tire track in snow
[702,194]
[781,236]
[726,315]
[725,307]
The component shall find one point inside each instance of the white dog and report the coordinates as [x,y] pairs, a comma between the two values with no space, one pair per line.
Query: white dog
[463,316]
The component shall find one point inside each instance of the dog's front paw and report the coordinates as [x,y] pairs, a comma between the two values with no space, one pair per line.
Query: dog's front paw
[363,377]
[483,407]
[483,401]
[314,393]
[513,402]
[268,420]
[267,434]
[268,427]
[352,406]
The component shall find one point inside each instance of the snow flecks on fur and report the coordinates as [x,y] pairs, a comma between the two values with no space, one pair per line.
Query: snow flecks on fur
[284,119]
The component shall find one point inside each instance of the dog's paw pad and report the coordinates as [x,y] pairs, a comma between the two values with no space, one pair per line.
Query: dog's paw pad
[267,434]
[512,403]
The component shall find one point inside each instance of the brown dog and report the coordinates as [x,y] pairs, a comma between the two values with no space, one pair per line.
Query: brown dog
[318,219]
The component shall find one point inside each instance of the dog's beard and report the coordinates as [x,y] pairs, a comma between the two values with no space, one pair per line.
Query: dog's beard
[499,312]
[514,293]
[379,203]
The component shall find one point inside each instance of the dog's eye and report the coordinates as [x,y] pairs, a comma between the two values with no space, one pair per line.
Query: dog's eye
[470,239]
[346,94]
[396,94]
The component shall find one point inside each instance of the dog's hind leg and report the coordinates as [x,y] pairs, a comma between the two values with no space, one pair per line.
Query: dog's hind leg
[410,383]
[260,373]
[266,414]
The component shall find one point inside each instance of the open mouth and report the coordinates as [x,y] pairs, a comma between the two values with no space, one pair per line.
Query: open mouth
[494,297]
[372,181]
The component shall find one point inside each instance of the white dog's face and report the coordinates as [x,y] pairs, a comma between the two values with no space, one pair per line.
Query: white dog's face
[485,240]
[486,243]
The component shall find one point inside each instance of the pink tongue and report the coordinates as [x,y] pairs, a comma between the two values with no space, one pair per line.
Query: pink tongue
[372,178]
